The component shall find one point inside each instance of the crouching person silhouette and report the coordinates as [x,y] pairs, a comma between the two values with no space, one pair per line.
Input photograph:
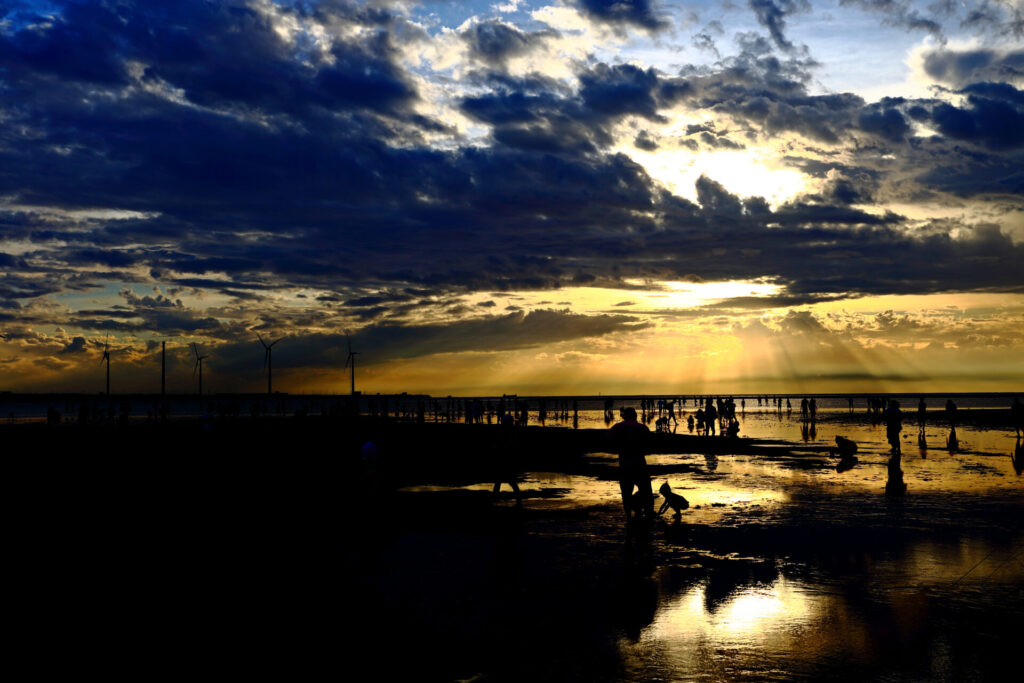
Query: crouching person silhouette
[672,500]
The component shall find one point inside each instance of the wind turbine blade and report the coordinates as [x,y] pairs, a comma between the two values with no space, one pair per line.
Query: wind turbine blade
[195,367]
[347,359]
[261,340]
[277,341]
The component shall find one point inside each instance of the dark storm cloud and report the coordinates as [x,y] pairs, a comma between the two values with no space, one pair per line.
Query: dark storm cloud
[772,15]
[76,345]
[958,68]
[147,314]
[620,89]
[93,43]
[644,141]
[887,123]
[637,13]
[273,166]
[715,199]
[494,333]
[771,93]
[902,14]
[549,121]
[494,41]
[994,117]
[980,174]
[1000,17]
[383,342]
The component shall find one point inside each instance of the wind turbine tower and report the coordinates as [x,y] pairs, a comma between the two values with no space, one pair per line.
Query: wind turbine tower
[106,357]
[352,359]
[198,366]
[268,359]
[163,368]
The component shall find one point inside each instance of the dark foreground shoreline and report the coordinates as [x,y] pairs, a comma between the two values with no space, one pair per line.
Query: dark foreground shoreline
[263,546]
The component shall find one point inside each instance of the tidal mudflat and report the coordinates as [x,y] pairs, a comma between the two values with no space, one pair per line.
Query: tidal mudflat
[782,568]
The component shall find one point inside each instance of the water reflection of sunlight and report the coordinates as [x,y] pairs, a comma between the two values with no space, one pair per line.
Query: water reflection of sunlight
[751,611]
[749,617]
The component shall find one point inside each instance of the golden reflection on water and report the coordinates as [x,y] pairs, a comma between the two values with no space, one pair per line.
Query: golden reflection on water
[748,617]
[787,628]
[743,635]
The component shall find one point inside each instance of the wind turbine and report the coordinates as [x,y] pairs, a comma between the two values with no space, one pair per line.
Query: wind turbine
[198,366]
[106,357]
[352,359]
[268,359]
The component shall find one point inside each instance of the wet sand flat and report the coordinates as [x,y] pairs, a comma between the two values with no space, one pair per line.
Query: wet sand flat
[783,568]
[276,537]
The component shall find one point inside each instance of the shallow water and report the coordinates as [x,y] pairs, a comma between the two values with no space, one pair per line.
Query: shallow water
[784,568]
[836,627]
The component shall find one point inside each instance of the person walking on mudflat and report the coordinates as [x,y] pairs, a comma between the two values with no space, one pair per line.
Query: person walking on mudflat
[505,467]
[629,438]
[893,425]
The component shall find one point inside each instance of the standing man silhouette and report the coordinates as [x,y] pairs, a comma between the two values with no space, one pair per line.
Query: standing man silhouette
[630,441]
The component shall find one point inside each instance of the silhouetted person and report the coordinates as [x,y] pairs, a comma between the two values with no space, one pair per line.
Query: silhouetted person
[922,411]
[1018,457]
[951,413]
[952,443]
[813,404]
[893,424]
[710,418]
[630,442]
[846,450]
[505,469]
[1017,415]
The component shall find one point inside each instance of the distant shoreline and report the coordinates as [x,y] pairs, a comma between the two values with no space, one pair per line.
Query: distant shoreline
[11,396]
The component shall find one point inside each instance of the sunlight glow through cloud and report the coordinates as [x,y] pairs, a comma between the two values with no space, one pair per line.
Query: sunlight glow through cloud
[747,172]
[509,187]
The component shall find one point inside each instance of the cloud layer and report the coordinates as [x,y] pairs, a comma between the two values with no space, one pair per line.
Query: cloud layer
[316,168]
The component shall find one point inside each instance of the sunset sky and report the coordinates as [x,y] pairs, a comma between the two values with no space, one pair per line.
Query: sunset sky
[560,196]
